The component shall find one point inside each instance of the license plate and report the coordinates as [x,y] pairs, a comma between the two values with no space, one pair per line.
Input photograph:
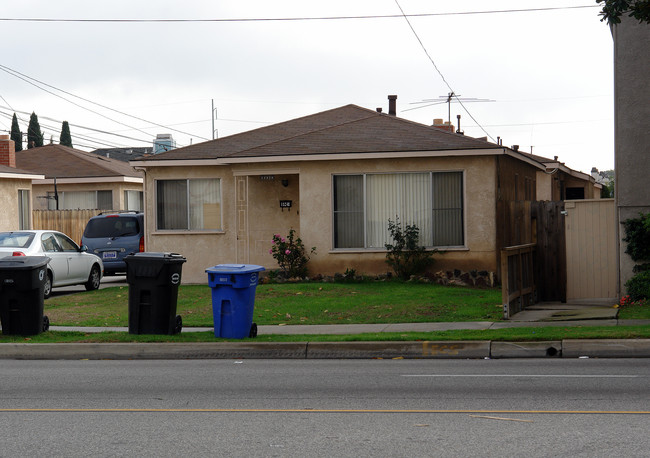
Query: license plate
[109,255]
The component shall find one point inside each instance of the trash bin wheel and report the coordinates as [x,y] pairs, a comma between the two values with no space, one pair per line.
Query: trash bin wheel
[46,323]
[179,324]
[253,332]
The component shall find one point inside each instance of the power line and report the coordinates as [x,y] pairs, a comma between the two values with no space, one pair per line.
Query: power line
[288,19]
[30,80]
[452,93]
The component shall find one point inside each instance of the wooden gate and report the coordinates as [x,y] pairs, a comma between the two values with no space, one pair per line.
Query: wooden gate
[550,265]
[591,250]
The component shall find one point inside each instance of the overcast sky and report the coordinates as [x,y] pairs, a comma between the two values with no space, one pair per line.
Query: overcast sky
[543,77]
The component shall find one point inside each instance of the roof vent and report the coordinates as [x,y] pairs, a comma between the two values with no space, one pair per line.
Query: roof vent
[392,105]
[515,147]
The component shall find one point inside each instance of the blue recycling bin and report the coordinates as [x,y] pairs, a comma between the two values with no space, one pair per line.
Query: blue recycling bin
[233,299]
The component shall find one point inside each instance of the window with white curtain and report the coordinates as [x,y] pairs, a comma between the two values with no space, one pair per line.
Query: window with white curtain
[81,200]
[133,201]
[23,209]
[188,204]
[363,204]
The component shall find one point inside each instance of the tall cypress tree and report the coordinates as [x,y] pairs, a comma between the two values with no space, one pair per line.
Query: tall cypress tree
[34,134]
[65,139]
[16,134]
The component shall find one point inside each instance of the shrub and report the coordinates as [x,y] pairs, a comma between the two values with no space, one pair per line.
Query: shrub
[290,254]
[637,237]
[638,287]
[406,257]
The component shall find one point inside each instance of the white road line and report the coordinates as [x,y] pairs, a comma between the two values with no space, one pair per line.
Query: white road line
[523,375]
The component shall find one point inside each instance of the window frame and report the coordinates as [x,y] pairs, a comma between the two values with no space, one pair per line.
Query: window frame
[364,176]
[187,230]
[24,209]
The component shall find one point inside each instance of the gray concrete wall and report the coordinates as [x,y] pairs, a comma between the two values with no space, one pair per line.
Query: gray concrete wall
[632,134]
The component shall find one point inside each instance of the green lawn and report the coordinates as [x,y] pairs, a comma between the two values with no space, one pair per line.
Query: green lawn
[298,303]
[322,303]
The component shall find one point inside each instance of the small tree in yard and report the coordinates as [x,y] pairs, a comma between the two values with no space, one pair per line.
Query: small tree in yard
[290,254]
[406,256]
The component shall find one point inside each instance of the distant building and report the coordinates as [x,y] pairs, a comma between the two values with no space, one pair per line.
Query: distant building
[163,142]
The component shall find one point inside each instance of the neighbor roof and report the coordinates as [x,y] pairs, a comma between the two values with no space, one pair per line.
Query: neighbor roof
[57,161]
[12,172]
[124,154]
[347,129]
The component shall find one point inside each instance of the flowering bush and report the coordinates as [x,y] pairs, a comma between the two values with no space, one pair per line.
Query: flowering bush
[290,254]
[628,301]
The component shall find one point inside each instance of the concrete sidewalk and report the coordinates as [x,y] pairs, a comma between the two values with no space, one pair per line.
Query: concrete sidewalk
[542,315]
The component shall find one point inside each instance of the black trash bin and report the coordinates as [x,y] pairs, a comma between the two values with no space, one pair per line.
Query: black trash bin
[153,280]
[22,279]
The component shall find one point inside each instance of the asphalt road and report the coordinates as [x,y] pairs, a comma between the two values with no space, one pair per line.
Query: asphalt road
[550,407]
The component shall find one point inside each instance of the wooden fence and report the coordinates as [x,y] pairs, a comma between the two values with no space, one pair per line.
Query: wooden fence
[518,289]
[70,222]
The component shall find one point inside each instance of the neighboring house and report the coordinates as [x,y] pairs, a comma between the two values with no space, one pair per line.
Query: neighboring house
[631,133]
[15,189]
[80,180]
[559,182]
[336,178]
[123,154]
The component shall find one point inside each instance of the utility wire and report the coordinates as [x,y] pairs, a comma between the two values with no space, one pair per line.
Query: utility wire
[80,127]
[452,93]
[26,78]
[286,19]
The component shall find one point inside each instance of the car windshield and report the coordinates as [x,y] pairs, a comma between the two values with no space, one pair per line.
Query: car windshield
[16,239]
[112,227]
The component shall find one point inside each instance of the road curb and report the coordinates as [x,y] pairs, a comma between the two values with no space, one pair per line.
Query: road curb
[606,348]
[526,349]
[603,348]
[424,349]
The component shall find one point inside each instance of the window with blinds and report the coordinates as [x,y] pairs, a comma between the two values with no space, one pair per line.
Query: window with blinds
[363,204]
[188,204]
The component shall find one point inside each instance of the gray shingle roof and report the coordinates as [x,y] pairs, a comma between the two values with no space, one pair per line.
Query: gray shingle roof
[348,129]
[64,162]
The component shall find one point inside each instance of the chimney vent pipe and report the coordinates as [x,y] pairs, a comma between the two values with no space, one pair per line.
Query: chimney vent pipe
[392,105]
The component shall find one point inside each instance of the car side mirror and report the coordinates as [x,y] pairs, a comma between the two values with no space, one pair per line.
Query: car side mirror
[83,248]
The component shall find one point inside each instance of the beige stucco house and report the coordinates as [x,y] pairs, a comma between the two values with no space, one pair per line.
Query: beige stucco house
[336,178]
[15,189]
[83,180]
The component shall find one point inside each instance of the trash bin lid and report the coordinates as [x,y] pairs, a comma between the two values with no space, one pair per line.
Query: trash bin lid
[150,255]
[23,262]
[234,268]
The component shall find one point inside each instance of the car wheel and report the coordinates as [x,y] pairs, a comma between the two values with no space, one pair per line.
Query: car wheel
[47,288]
[93,279]
[46,323]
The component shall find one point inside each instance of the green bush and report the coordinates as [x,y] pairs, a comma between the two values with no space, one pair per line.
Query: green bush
[638,287]
[406,257]
[637,237]
[290,254]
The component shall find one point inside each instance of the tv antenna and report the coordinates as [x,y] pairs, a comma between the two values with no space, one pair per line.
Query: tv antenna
[448,99]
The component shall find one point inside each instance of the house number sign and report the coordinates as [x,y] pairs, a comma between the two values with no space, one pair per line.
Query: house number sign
[285,204]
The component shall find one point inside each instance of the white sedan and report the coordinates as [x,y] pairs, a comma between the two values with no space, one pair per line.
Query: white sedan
[68,265]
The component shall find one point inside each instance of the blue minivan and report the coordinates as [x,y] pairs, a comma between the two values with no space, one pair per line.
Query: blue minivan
[114,236]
